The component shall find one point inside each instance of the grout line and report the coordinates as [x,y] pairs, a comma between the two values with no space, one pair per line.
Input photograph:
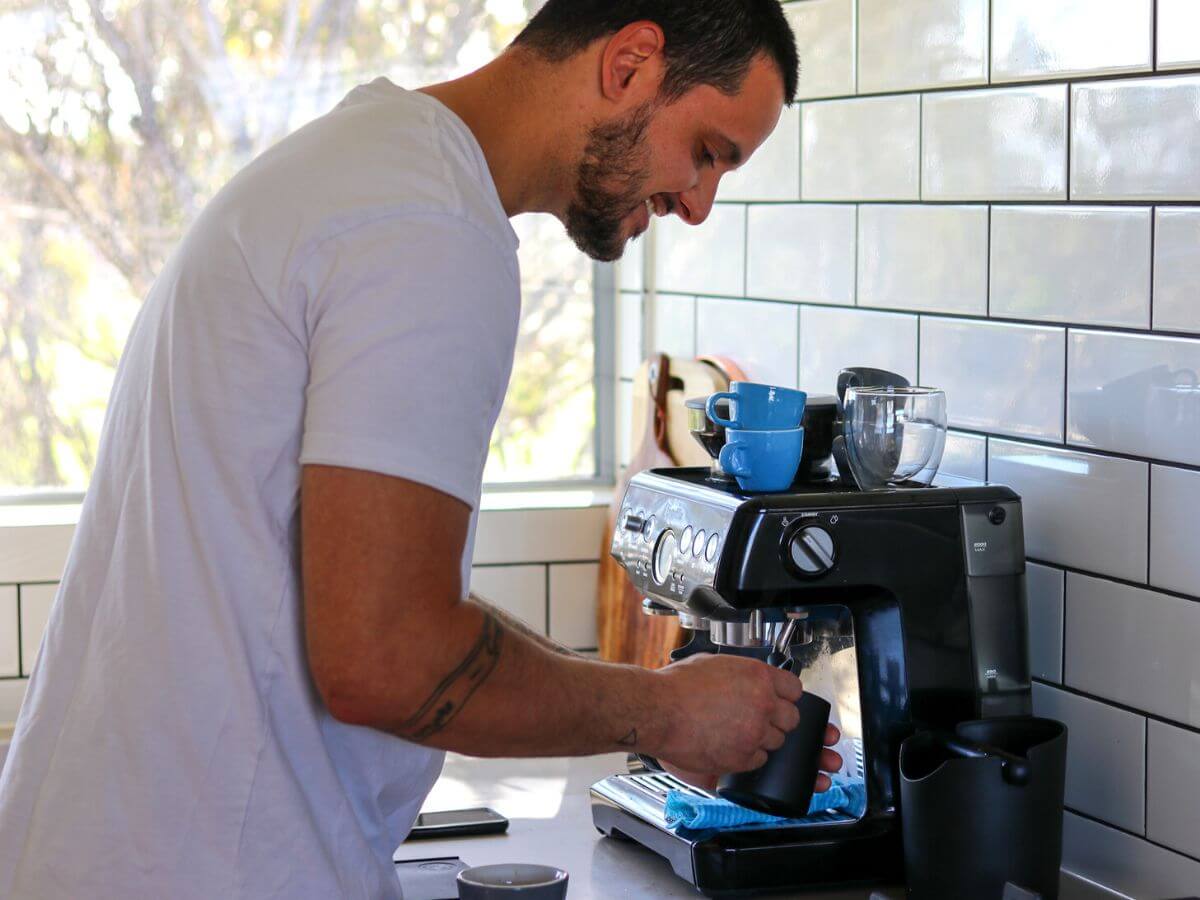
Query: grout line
[1127,832]
[987,289]
[1154,35]
[858,249]
[1057,78]
[1070,92]
[1099,576]
[1115,704]
[991,31]
[979,200]
[20,643]
[14,678]
[536,562]
[1146,776]
[1062,660]
[1149,515]
[1066,394]
[920,380]
[1153,237]
[1060,324]
[920,147]
[546,581]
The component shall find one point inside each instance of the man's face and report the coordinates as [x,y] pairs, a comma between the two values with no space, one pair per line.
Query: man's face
[660,159]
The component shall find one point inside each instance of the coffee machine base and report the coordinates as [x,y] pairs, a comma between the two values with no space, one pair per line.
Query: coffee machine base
[814,856]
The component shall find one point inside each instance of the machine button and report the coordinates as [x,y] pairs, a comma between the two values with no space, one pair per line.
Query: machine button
[997,515]
[812,550]
[685,540]
[710,551]
[664,557]
[698,543]
[648,528]
[634,523]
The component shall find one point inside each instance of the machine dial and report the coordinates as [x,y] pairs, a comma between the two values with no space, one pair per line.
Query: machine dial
[664,556]
[811,550]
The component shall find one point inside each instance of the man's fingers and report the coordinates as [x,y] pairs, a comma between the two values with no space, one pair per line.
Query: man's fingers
[832,735]
[830,761]
[773,739]
[823,783]
[787,685]
[785,716]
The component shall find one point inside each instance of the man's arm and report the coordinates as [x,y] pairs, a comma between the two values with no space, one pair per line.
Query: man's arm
[517,625]
[393,645]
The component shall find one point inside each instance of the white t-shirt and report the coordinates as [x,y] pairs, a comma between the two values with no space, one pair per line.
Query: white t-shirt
[351,298]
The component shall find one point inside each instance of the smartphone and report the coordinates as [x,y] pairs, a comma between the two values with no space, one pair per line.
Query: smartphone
[458,823]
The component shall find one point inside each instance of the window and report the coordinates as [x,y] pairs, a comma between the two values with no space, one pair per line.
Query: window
[120,118]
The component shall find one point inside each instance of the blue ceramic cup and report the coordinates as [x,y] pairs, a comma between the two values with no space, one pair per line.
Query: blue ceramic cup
[758,407]
[763,460]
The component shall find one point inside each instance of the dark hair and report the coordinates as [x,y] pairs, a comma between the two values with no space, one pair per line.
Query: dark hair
[708,42]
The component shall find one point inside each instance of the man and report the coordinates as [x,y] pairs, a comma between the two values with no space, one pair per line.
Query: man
[261,645]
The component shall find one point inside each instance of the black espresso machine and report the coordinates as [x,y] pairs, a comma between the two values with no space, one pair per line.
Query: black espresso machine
[904,607]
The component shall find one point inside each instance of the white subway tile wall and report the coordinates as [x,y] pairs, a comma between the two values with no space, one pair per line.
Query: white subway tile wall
[965,456]
[675,326]
[931,258]
[760,336]
[832,338]
[1178,34]
[708,260]
[10,637]
[773,172]
[1101,740]
[1007,379]
[1173,800]
[1052,38]
[866,149]
[801,252]
[1134,646]
[1136,139]
[1177,267]
[998,144]
[35,601]
[1028,240]
[1174,527]
[573,604]
[1134,393]
[921,43]
[1044,586]
[824,32]
[1061,264]
[519,590]
[1081,509]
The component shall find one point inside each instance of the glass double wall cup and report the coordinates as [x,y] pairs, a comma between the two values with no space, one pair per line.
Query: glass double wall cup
[894,434]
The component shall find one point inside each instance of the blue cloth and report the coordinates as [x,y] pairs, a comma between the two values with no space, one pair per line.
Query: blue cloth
[692,811]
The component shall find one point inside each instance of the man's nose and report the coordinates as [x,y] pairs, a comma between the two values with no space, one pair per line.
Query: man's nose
[696,202]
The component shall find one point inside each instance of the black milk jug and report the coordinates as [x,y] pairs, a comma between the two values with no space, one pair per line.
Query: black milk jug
[982,808]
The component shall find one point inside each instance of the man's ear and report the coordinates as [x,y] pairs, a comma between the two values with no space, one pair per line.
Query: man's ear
[632,63]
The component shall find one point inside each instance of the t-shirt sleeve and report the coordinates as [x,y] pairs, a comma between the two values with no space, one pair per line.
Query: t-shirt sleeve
[411,324]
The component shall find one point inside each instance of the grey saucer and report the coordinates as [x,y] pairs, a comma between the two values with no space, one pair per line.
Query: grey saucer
[509,881]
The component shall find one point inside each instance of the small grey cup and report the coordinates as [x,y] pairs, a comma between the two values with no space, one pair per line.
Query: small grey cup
[509,881]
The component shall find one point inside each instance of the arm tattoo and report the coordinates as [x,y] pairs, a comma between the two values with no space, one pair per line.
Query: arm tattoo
[456,689]
[517,625]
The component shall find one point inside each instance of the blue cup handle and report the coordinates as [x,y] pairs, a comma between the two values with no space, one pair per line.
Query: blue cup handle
[711,408]
[733,460]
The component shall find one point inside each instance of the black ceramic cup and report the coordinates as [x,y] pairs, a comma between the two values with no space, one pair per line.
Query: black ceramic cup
[783,785]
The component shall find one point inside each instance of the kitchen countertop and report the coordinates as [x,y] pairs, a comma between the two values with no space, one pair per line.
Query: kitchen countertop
[546,802]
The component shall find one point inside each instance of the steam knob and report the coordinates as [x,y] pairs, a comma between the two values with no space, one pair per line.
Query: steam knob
[811,550]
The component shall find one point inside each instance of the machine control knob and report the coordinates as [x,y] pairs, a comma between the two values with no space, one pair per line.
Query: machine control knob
[811,550]
[634,523]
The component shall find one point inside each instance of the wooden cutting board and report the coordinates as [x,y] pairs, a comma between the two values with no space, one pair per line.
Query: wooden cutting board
[659,437]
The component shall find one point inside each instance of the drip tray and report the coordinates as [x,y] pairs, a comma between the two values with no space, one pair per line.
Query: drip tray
[645,795]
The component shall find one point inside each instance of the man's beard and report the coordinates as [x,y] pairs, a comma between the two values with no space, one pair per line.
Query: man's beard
[612,176]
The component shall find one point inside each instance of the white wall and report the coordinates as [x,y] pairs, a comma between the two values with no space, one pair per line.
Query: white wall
[538,563]
[1014,216]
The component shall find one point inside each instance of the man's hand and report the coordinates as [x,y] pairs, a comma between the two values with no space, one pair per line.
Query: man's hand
[831,761]
[727,713]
